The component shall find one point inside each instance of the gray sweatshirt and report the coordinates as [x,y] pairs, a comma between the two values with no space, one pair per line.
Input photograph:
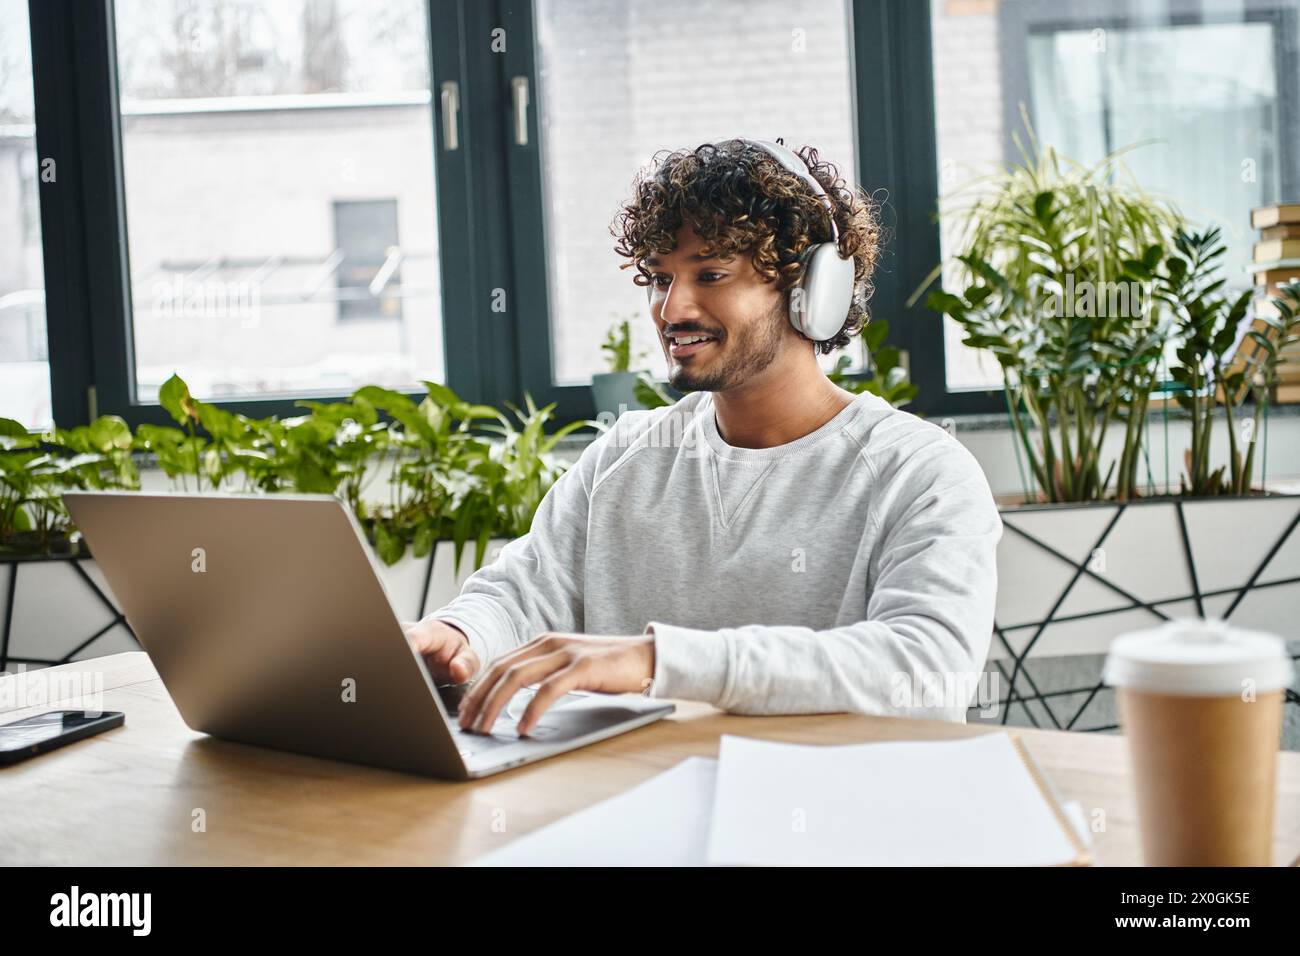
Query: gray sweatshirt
[853,569]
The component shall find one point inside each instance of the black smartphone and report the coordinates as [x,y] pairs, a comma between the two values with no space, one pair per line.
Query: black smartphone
[35,735]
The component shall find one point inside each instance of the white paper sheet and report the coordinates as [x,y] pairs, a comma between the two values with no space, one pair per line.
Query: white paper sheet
[944,803]
[661,822]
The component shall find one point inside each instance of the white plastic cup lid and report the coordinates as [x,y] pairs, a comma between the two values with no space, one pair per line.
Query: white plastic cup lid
[1198,658]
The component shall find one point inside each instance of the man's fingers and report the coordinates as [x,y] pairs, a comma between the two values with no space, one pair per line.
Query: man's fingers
[463,666]
[440,644]
[473,697]
[452,644]
[490,694]
[504,684]
[550,690]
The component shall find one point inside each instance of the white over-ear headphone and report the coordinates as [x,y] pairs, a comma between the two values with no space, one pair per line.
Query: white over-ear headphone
[820,303]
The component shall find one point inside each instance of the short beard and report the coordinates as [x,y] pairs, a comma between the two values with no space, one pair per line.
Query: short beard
[753,351]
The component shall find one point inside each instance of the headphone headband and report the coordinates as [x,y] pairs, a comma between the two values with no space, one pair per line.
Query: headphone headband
[825,294]
[791,161]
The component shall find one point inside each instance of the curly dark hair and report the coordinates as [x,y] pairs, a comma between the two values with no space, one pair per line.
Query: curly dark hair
[740,199]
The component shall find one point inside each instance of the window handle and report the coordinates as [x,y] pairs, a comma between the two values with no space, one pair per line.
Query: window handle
[450,115]
[519,92]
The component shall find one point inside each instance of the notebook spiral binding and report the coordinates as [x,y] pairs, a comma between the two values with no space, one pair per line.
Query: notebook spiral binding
[1082,855]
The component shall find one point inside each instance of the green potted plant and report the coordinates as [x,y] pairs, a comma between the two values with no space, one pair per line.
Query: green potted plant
[48,593]
[1094,550]
[1213,369]
[1041,283]
[614,391]
[424,480]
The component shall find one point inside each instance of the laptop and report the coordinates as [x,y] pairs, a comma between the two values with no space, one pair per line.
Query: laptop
[268,623]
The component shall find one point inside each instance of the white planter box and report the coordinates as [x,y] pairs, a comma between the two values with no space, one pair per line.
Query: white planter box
[1071,578]
[56,611]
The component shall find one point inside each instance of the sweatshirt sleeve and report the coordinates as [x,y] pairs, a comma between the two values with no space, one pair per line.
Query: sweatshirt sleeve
[536,582]
[929,623]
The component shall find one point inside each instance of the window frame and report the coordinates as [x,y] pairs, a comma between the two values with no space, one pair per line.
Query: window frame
[890,47]
[527,192]
[84,227]
[1019,22]
[893,55]
[490,203]
[491,198]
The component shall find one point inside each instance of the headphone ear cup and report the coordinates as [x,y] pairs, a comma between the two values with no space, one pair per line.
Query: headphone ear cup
[820,303]
[797,298]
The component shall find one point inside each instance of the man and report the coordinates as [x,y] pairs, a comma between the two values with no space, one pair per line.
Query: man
[791,547]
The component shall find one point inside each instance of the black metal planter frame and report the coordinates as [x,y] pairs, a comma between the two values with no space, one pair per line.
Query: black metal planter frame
[17,562]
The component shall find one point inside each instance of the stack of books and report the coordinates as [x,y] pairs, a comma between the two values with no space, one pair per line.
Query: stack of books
[1277,260]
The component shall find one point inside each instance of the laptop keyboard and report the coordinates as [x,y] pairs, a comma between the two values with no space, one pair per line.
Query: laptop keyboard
[504,728]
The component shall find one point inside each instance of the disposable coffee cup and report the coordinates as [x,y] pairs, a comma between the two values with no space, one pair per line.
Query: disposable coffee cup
[1201,705]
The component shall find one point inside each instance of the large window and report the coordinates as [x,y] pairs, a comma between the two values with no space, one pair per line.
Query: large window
[292,198]
[1209,90]
[279,177]
[620,81]
[1201,98]
[24,357]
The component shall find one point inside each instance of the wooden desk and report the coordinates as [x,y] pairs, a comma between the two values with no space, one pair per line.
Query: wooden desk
[128,796]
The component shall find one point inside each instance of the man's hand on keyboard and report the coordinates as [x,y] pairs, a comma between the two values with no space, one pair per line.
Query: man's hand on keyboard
[445,650]
[558,663]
